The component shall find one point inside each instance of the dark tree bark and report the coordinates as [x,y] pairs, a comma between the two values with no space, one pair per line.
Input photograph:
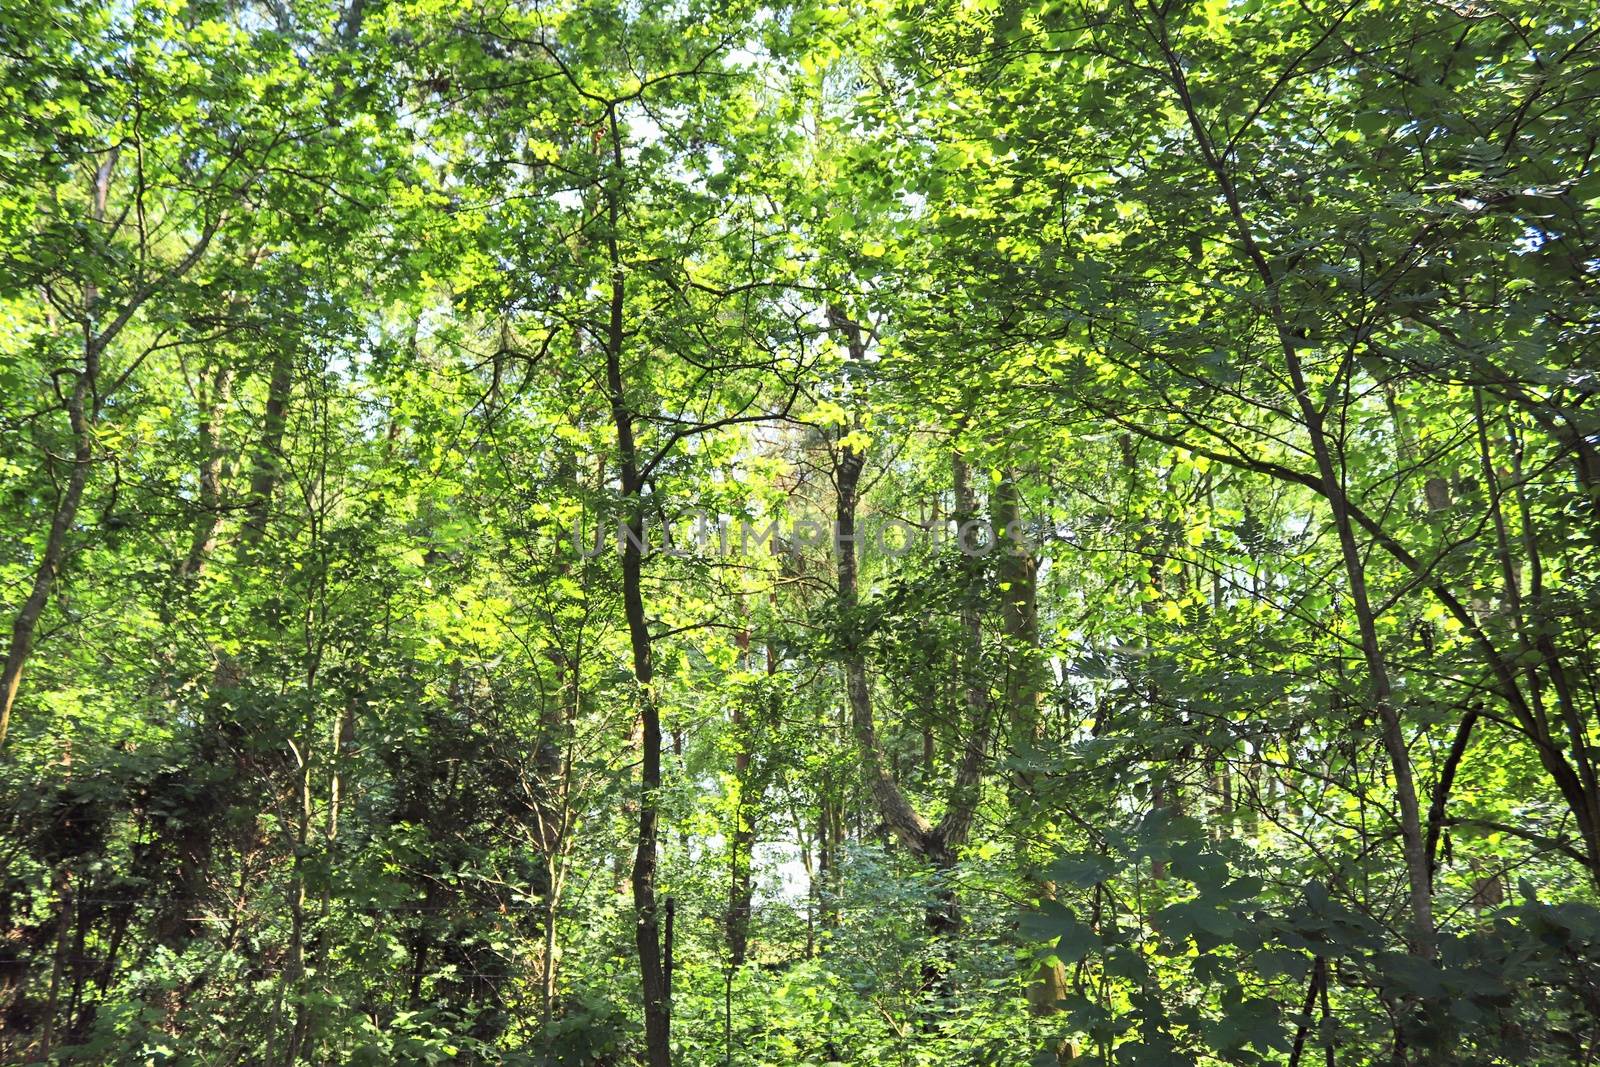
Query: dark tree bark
[647,934]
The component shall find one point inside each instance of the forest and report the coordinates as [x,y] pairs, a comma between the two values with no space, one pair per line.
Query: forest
[784,533]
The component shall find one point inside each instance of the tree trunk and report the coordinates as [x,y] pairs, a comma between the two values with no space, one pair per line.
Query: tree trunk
[268,463]
[937,845]
[1018,573]
[1413,844]
[743,839]
[204,538]
[652,975]
[27,620]
[83,405]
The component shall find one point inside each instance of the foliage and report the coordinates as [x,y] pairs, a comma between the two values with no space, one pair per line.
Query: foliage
[429,426]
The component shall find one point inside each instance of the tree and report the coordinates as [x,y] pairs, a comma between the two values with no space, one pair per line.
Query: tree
[558,532]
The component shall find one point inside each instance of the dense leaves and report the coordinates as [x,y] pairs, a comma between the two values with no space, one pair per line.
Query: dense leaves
[980,532]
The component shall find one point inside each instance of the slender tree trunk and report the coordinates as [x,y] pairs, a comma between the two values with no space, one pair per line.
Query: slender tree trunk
[743,839]
[1581,787]
[652,975]
[212,456]
[63,887]
[295,973]
[268,462]
[83,404]
[826,885]
[904,821]
[555,765]
[1413,843]
[555,875]
[1018,573]
[937,845]
[27,620]
[740,889]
